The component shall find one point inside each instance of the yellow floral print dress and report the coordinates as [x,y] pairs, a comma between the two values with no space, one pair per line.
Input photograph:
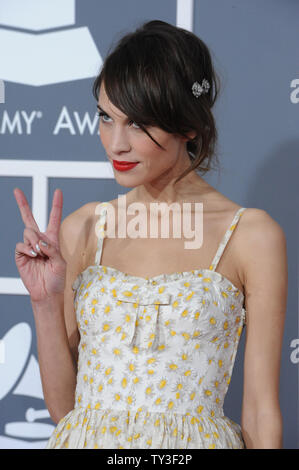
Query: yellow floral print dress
[155,358]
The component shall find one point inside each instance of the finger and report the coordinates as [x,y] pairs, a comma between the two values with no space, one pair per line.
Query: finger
[56,213]
[47,247]
[25,210]
[32,238]
[24,250]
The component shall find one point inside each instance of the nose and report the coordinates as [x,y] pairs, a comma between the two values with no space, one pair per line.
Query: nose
[119,141]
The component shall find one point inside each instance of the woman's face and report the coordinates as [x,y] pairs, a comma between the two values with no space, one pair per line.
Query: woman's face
[124,141]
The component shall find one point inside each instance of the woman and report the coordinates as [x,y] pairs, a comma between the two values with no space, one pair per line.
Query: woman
[137,337]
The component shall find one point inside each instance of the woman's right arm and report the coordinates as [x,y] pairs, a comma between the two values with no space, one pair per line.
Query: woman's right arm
[57,367]
[48,278]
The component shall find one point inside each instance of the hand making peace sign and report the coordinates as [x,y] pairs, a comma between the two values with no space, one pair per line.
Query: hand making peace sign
[43,274]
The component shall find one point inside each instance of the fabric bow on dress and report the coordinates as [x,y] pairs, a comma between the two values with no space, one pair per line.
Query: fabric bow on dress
[141,325]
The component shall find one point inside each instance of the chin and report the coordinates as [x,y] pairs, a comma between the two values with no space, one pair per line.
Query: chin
[127,182]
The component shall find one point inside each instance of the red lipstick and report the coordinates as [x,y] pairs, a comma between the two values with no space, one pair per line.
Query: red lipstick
[124,166]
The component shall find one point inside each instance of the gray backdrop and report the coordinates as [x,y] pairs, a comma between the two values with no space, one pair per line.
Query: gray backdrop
[48,133]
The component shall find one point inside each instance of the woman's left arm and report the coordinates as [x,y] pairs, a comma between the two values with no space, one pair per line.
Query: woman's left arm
[265,279]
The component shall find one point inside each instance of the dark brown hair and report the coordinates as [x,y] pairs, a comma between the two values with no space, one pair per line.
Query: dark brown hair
[149,77]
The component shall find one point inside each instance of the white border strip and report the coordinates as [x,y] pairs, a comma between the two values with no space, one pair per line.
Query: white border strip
[55,168]
[185,14]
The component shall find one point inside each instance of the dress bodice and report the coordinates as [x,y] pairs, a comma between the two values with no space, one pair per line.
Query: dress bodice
[162,343]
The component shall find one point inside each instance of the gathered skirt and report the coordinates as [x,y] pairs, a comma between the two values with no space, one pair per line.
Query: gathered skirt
[86,428]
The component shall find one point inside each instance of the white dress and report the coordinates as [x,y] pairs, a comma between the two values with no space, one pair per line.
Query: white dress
[155,359]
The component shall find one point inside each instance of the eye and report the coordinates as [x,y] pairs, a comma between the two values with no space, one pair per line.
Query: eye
[101,114]
[135,124]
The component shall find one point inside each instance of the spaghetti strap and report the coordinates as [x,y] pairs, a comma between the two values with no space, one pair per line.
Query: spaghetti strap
[226,238]
[100,232]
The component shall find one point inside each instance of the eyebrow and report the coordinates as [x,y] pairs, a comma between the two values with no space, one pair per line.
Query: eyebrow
[101,109]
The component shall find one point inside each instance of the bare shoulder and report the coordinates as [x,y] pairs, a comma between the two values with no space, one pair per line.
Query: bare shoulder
[261,243]
[74,224]
[260,227]
[75,232]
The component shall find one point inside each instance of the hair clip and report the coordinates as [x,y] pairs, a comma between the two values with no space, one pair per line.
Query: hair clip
[198,89]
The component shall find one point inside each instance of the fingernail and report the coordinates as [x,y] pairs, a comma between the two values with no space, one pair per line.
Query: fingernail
[33,253]
[37,247]
[44,243]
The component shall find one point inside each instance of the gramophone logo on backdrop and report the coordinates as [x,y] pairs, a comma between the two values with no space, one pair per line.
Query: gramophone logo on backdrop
[33,57]
[21,389]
